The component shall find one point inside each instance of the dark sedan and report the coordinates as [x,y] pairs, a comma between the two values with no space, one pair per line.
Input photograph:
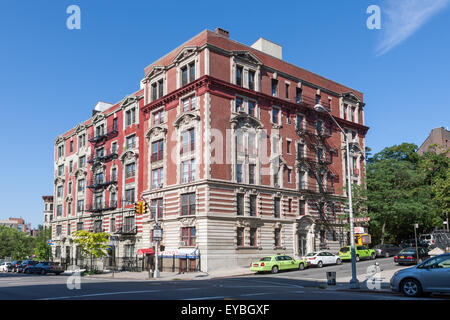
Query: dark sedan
[13,267]
[412,243]
[45,267]
[26,263]
[386,250]
[409,256]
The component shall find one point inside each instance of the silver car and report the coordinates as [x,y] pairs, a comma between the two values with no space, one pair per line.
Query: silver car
[432,275]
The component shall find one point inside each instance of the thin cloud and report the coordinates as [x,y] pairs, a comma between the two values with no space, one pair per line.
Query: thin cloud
[401,18]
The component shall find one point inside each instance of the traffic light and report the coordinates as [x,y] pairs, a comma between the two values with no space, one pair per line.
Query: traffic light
[140,207]
[143,207]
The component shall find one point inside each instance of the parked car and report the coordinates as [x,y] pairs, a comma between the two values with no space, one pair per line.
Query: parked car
[409,256]
[45,267]
[428,238]
[412,243]
[25,263]
[386,250]
[432,275]
[14,265]
[4,266]
[361,252]
[321,258]
[276,263]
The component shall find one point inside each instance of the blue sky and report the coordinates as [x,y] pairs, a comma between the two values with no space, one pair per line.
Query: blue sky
[51,77]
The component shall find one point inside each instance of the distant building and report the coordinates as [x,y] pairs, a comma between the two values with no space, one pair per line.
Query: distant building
[439,136]
[48,211]
[16,223]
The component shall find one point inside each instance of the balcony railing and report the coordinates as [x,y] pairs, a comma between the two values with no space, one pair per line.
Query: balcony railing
[95,208]
[315,187]
[314,157]
[96,184]
[311,102]
[103,158]
[127,229]
[97,137]
[311,129]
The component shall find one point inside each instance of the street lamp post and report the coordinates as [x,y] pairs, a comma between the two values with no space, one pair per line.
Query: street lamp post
[354,283]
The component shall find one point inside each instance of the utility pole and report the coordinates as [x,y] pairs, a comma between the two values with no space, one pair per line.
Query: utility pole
[415,237]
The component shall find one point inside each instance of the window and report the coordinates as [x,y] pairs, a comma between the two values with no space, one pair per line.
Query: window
[100,130]
[299,122]
[298,95]
[80,205]
[59,210]
[70,166]
[240,236]
[274,87]
[158,117]
[276,207]
[252,108]
[240,105]
[81,141]
[188,141]
[114,174]
[352,113]
[157,90]
[112,225]
[113,200]
[59,192]
[240,147]
[129,196]
[277,237]
[288,146]
[317,98]
[289,205]
[239,174]
[251,144]
[130,170]
[345,112]
[129,224]
[61,170]
[157,150]
[100,152]
[188,171]
[319,126]
[251,80]
[275,115]
[239,72]
[188,73]
[287,90]
[130,117]
[251,173]
[188,204]
[189,103]
[98,204]
[57,252]
[253,237]
[289,175]
[69,188]
[71,146]
[240,205]
[99,178]
[188,236]
[157,178]
[157,208]
[129,250]
[60,151]
[253,205]
[114,148]
[288,117]
[82,161]
[115,124]
[131,142]
[98,226]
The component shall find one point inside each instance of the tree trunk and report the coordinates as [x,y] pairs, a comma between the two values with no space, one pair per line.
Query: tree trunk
[383,228]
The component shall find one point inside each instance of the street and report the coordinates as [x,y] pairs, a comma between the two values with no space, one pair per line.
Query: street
[294,285]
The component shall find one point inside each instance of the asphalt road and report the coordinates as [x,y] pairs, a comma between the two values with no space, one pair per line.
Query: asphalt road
[291,285]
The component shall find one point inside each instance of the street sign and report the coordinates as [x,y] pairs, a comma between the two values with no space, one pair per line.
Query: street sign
[157,234]
[359,230]
[50,243]
[361,219]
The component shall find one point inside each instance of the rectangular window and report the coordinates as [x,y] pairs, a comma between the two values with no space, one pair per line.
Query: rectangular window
[189,104]
[239,172]
[129,196]
[80,206]
[131,142]
[157,178]
[130,170]
[154,94]
[301,206]
[59,210]
[113,200]
[287,90]
[157,208]
[71,146]
[252,108]
[317,99]
[112,225]
[98,204]
[98,226]
[274,87]
[276,207]
[251,173]
[69,208]
[59,192]
[187,141]
[240,205]
[188,171]
[114,174]
[288,146]
[275,115]
[188,204]
[299,122]
[160,88]
[61,170]
[191,71]
[289,205]
[240,105]
[158,117]
[253,205]
[253,240]
[277,237]
[70,188]
[82,161]
[188,236]
[70,166]
[298,95]
[345,112]
[301,180]
[129,250]
[252,144]
[129,224]
[157,150]
[239,72]
[251,80]
[80,226]
[289,175]
[240,237]
[57,252]
[81,141]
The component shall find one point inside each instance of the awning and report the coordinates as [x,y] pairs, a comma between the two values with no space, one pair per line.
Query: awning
[183,253]
[145,251]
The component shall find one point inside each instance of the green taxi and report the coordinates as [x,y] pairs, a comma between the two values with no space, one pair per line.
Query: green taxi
[361,252]
[277,263]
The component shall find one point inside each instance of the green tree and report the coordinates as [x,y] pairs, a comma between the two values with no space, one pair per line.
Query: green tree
[42,250]
[92,243]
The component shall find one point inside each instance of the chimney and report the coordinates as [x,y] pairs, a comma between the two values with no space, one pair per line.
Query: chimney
[268,47]
[222,32]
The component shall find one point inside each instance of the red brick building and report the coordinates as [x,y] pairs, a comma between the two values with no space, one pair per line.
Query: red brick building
[230,154]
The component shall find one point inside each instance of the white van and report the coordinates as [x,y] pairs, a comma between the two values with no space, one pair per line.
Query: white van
[428,238]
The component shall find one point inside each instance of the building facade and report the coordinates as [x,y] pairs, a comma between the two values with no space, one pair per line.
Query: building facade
[48,211]
[230,156]
[438,137]
[17,223]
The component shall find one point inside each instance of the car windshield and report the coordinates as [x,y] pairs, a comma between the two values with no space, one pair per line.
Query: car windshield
[265,259]
[409,250]
[345,249]
[311,254]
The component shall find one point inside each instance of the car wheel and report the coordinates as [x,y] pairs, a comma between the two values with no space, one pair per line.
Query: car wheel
[411,288]
[386,255]
[28,271]
[43,272]
[301,266]
[357,258]
[320,264]
[338,261]
[275,269]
